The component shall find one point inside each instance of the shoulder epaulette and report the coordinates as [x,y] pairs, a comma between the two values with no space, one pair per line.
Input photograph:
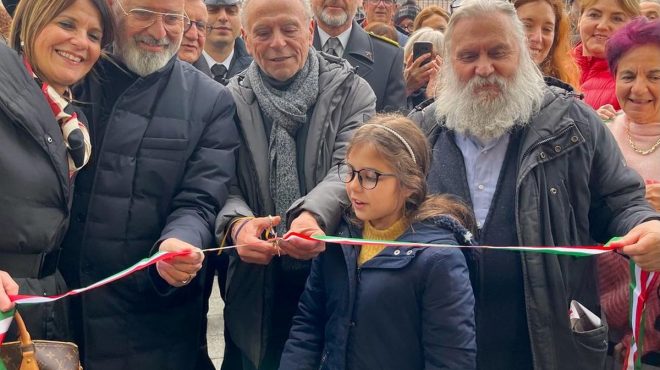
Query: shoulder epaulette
[383,38]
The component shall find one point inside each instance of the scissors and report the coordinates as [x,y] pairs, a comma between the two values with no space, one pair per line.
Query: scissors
[271,235]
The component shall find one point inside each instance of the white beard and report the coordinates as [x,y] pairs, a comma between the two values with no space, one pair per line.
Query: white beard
[144,62]
[487,115]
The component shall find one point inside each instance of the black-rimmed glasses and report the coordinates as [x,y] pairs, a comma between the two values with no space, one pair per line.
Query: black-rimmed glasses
[144,18]
[367,177]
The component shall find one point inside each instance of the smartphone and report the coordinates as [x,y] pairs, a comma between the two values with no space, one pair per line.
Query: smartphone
[420,48]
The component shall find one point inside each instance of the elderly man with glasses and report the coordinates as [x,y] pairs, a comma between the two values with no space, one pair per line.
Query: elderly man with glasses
[195,30]
[163,161]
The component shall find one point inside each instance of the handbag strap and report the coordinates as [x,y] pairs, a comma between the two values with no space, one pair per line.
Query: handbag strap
[29,361]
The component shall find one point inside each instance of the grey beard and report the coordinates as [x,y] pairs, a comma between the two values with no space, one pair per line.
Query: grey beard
[488,117]
[333,21]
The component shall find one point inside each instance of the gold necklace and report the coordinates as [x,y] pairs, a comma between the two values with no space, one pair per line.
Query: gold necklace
[636,149]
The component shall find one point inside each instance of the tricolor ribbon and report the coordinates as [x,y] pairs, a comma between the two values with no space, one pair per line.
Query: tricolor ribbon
[578,251]
[5,321]
[640,282]
[640,286]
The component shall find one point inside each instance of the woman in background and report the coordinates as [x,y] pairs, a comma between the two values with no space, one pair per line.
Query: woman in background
[599,20]
[420,74]
[548,34]
[633,54]
[432,16]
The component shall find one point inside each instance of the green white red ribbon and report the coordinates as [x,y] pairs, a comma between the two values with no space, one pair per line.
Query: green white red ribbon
[142,264]
[640,286]
[5,321]
[642,279]
[571,251]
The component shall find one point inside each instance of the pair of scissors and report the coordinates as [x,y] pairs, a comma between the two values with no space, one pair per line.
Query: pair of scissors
[271,235]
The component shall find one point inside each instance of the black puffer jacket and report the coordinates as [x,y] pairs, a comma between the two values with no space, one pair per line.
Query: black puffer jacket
[35,194]
[164,160]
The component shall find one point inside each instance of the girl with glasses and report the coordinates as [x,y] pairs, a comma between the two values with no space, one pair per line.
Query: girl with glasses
[379,307]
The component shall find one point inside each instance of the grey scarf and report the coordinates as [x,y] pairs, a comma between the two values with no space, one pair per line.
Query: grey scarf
[288,110]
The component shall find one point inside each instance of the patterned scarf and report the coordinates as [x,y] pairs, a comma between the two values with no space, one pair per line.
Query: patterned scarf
[74,132]
[288,110]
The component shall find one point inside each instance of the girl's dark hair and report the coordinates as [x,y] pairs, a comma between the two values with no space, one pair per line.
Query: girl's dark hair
[410,173]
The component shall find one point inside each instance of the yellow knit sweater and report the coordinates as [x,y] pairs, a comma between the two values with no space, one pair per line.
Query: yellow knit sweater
[393,232]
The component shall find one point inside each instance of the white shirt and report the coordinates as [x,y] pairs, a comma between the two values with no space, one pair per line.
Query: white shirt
[211,62]
[343,38]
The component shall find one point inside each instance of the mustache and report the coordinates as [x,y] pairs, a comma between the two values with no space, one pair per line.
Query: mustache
[480,82]
[152,41]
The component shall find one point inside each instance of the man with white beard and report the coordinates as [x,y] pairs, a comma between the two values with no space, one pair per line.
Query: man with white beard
[163,158]
[538,168]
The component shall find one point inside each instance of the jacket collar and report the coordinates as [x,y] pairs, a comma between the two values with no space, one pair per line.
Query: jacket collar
[359,44]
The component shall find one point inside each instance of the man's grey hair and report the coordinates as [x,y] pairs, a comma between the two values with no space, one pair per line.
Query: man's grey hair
[651,1]
[245,3]
[482,8]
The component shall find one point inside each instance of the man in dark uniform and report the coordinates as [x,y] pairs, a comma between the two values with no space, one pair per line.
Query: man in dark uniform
[379,62]
[225,51]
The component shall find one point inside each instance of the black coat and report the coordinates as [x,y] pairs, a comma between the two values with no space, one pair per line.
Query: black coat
[35,194]
[163,162]
[379,63]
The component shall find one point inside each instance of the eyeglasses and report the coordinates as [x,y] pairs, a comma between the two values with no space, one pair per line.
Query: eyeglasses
[385,2]
[455,4]
[367,178]
[409,28]
[144,18]
[201,26]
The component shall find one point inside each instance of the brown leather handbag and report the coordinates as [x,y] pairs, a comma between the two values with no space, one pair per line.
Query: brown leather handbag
[27,354]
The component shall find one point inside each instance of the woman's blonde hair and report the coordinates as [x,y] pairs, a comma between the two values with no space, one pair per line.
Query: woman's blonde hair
[427,13]
[630,7]
[410,171]
[32,16]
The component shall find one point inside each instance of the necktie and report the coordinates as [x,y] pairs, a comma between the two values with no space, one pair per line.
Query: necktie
[219,72]
[333,46]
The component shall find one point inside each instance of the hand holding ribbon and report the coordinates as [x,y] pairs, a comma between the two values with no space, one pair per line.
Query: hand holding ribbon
[7,287]
[303,249]
[180,269]
[642,245]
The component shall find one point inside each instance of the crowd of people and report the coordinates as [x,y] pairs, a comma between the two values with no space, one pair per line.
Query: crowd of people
[135,126]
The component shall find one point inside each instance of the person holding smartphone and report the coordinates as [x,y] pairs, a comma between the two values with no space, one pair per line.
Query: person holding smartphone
[423,58]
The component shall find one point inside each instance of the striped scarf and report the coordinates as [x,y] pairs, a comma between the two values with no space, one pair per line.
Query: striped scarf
[74,132]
